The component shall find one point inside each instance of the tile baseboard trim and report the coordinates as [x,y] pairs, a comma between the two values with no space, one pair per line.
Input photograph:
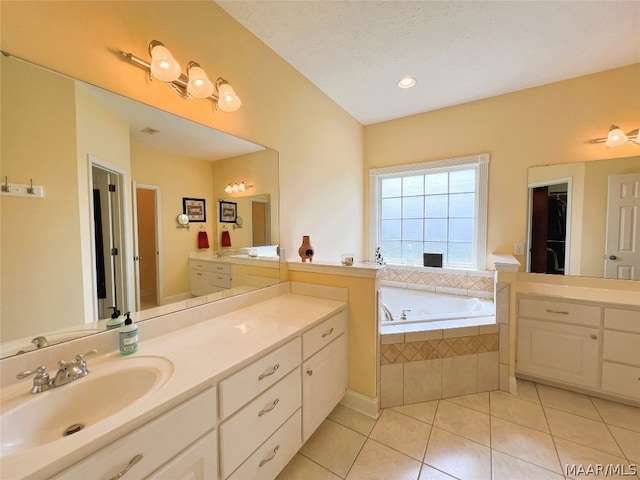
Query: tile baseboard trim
[366,405]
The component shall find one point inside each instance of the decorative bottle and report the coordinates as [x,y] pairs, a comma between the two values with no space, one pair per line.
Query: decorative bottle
[306,250]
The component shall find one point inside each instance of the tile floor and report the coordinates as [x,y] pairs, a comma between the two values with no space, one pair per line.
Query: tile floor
[491,435]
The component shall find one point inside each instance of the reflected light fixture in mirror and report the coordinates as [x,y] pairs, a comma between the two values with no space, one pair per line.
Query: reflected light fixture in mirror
[195,84]
[236,187]
[617,137]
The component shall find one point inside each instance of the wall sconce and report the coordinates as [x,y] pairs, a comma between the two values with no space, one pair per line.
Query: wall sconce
[235,187]
[617,137]
[195,84]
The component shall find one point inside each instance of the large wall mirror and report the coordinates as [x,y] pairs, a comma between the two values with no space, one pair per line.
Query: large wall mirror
[584,219]
[105,235]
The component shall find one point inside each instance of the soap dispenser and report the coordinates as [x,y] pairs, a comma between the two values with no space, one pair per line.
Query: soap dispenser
[116,319]
[128,336]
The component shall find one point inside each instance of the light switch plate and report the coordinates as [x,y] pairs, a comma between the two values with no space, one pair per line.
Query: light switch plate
[518,248]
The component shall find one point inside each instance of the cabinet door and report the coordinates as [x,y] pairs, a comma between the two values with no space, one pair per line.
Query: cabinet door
[199,282]
[621,379]
[324,382]
[198,462]
[558,352]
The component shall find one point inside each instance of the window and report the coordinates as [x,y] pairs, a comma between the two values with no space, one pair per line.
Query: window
[432,207]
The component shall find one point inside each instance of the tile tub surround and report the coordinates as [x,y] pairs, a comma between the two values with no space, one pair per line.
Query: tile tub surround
[417,366]
[442,280]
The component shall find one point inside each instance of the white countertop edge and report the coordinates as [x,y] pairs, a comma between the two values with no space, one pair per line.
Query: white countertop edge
[571,292]
[505,263]
[361,270]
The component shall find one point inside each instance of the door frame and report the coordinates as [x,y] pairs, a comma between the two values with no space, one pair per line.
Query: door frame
[158,240]
[124,225]
[568,246]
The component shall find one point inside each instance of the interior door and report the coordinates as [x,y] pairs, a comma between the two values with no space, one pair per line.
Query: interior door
[622,252]
[146,245]
[539,225]
[259,223]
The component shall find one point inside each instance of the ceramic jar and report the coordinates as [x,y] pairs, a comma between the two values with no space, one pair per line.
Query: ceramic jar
[306,250]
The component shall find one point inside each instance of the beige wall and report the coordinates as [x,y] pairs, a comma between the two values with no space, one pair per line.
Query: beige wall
[178,177]
[319,144]
[39,143]
[544,125]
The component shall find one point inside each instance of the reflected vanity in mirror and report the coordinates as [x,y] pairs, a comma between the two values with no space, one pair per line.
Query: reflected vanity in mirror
[584,219]
[103,238]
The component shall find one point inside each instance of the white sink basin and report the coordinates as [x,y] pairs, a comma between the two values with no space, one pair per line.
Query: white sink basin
[30,420]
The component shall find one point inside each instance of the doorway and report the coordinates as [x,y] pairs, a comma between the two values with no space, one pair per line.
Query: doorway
[108,242]
[622,250]
[260,223]
[147,246]
[549,212]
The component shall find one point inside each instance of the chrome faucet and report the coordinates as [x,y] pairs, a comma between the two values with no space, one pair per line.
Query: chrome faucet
[40,342]
[387,313]
[404,313]
[67,372]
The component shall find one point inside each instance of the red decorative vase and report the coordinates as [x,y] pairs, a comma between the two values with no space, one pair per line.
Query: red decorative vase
[306,250]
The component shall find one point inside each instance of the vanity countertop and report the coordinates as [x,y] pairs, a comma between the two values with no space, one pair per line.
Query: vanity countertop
[237,258]
[202,354]
[571,292]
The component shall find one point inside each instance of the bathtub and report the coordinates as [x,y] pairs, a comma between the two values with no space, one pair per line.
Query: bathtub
[423,306]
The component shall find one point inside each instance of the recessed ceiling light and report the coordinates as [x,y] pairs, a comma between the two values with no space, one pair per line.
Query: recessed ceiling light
[406,82]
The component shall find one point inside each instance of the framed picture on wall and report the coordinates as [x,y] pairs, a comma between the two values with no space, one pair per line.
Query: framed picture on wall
[195,209]
[228,212]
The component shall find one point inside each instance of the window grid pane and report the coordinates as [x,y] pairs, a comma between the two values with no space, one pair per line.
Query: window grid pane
[433,213]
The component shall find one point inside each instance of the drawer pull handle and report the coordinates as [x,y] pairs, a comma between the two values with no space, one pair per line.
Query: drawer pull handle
[594,337]
[133,461]
[268,374]
[267,460]
[309,372]
[561,312]
[267,410]
[327,333]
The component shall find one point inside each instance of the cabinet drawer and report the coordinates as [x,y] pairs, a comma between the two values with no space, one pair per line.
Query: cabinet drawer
[254,379]
[241,434]
[221,280]
[199,282]
[578,314]
[322,334]
[177,429]
[619,319]
[217,267]
[202,265]
[274,454]
[621,379]
[621,347]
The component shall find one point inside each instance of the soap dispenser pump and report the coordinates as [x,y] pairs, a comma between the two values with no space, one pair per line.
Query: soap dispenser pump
[128,336]
[116,319]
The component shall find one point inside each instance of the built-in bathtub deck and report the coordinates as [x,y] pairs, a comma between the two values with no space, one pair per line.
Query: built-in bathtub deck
[457,326]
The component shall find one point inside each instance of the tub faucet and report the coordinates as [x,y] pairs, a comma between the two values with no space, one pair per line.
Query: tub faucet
[387,313]
[40,342]
[404,314]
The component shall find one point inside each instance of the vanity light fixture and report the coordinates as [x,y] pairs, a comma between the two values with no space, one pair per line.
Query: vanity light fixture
[195,84]
[617,137]
[235,187]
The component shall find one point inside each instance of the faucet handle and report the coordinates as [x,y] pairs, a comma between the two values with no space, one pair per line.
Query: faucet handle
[41,372]
[80,356]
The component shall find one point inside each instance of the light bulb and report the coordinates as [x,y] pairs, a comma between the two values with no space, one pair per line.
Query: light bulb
[228,189]
[616,137]
[406,82]
[163,66]
[235,187]
[242,187]
[228,101]
[199,86]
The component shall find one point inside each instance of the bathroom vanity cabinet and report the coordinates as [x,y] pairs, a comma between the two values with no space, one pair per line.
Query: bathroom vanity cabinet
[174,436]
[206,276]
[594,347]
[247,425]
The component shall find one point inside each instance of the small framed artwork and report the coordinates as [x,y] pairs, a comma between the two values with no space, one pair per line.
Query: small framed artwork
[194,208]
[228,212]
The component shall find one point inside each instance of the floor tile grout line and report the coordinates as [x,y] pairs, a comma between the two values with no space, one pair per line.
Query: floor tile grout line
[553,439]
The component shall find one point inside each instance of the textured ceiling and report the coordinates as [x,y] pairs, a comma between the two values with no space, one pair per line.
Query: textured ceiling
[459,51]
